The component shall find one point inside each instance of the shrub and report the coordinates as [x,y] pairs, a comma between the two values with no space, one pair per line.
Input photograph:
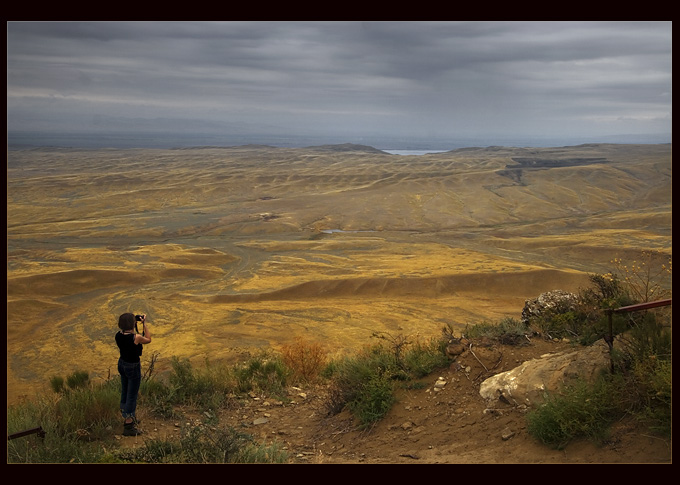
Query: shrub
[606,291]
[57,384]
[265,373]
[644,360]
[364,383]
[509,331]
[205,444]
[88,411]
[579,411]
[372,400]
[421,359]
[208,387]
[260,453]
[641,386]
[73,422]
[305,360]
[78,379]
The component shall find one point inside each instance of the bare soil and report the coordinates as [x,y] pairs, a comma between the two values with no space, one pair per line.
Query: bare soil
[453,425]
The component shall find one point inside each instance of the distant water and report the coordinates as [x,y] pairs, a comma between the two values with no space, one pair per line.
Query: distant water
[22,140]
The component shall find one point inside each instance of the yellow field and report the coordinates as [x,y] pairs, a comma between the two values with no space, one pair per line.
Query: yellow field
[235,250]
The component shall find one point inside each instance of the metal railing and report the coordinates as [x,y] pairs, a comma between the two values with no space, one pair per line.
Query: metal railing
[39,431]
[624,309]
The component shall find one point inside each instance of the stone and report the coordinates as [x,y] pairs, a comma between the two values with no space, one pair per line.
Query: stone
[550,302]
[528,383]
[454,348]
[507,434]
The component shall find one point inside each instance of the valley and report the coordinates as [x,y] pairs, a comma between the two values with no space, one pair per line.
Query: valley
[232,251]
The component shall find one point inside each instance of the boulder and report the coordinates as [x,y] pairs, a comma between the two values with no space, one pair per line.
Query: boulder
[528,383]
[549,303]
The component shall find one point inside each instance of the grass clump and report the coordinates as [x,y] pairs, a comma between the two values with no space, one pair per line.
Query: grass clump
[81,418]
[508,331]
[645,364]
[205,445]
[265,373]
[365,383]
[423,358]
[641,387]
[74,421]
[208,387]
[578,411]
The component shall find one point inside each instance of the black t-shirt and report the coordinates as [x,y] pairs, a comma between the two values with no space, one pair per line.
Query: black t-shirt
[129,351]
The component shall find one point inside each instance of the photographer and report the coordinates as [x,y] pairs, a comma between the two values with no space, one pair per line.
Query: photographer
[130,342]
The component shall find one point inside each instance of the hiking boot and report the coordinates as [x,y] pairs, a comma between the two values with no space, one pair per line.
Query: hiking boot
[130,429]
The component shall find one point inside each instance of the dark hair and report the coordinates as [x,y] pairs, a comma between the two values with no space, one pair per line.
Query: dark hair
[126,321]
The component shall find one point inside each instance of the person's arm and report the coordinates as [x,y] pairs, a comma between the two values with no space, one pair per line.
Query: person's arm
[145,336]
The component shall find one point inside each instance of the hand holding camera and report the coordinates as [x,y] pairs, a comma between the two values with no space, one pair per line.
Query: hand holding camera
[140,318]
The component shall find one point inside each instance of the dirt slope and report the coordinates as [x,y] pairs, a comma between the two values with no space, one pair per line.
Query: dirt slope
[454,425]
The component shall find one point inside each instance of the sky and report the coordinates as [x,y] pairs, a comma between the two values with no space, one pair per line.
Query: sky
[351,81]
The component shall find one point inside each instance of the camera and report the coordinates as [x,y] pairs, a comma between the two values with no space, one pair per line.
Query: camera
[138,318]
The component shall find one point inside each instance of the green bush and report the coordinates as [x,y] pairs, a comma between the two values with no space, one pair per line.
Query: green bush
[657,409]
[204,444]
[264,373]
[78,379]
[372,400]
[364,383]
[579,411]
[54,449]
[644,360]
[641,386]
[208,387]
[260,454]
[57,384]
[508,331]
[88,410]
[158,398]
[421,359]
[74,423]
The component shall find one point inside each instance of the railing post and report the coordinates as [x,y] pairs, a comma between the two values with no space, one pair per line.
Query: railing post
[610,338]
[630,308]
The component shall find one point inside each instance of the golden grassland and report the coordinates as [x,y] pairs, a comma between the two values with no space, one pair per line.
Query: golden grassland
[235,250]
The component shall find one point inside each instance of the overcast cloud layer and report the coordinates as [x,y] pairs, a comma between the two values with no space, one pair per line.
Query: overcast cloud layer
[346,80]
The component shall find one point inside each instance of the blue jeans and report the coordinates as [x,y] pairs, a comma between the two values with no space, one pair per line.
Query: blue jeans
[130,379]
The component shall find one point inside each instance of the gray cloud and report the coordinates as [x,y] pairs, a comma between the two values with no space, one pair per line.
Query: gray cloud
[540,79]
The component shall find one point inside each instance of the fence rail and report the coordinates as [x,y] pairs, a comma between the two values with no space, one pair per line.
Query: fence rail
[643,306]
[39,431]
[629,308]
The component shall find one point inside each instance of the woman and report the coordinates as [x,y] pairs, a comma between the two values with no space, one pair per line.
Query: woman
[129,366]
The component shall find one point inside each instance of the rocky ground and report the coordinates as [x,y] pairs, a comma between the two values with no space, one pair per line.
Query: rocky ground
[428,425]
